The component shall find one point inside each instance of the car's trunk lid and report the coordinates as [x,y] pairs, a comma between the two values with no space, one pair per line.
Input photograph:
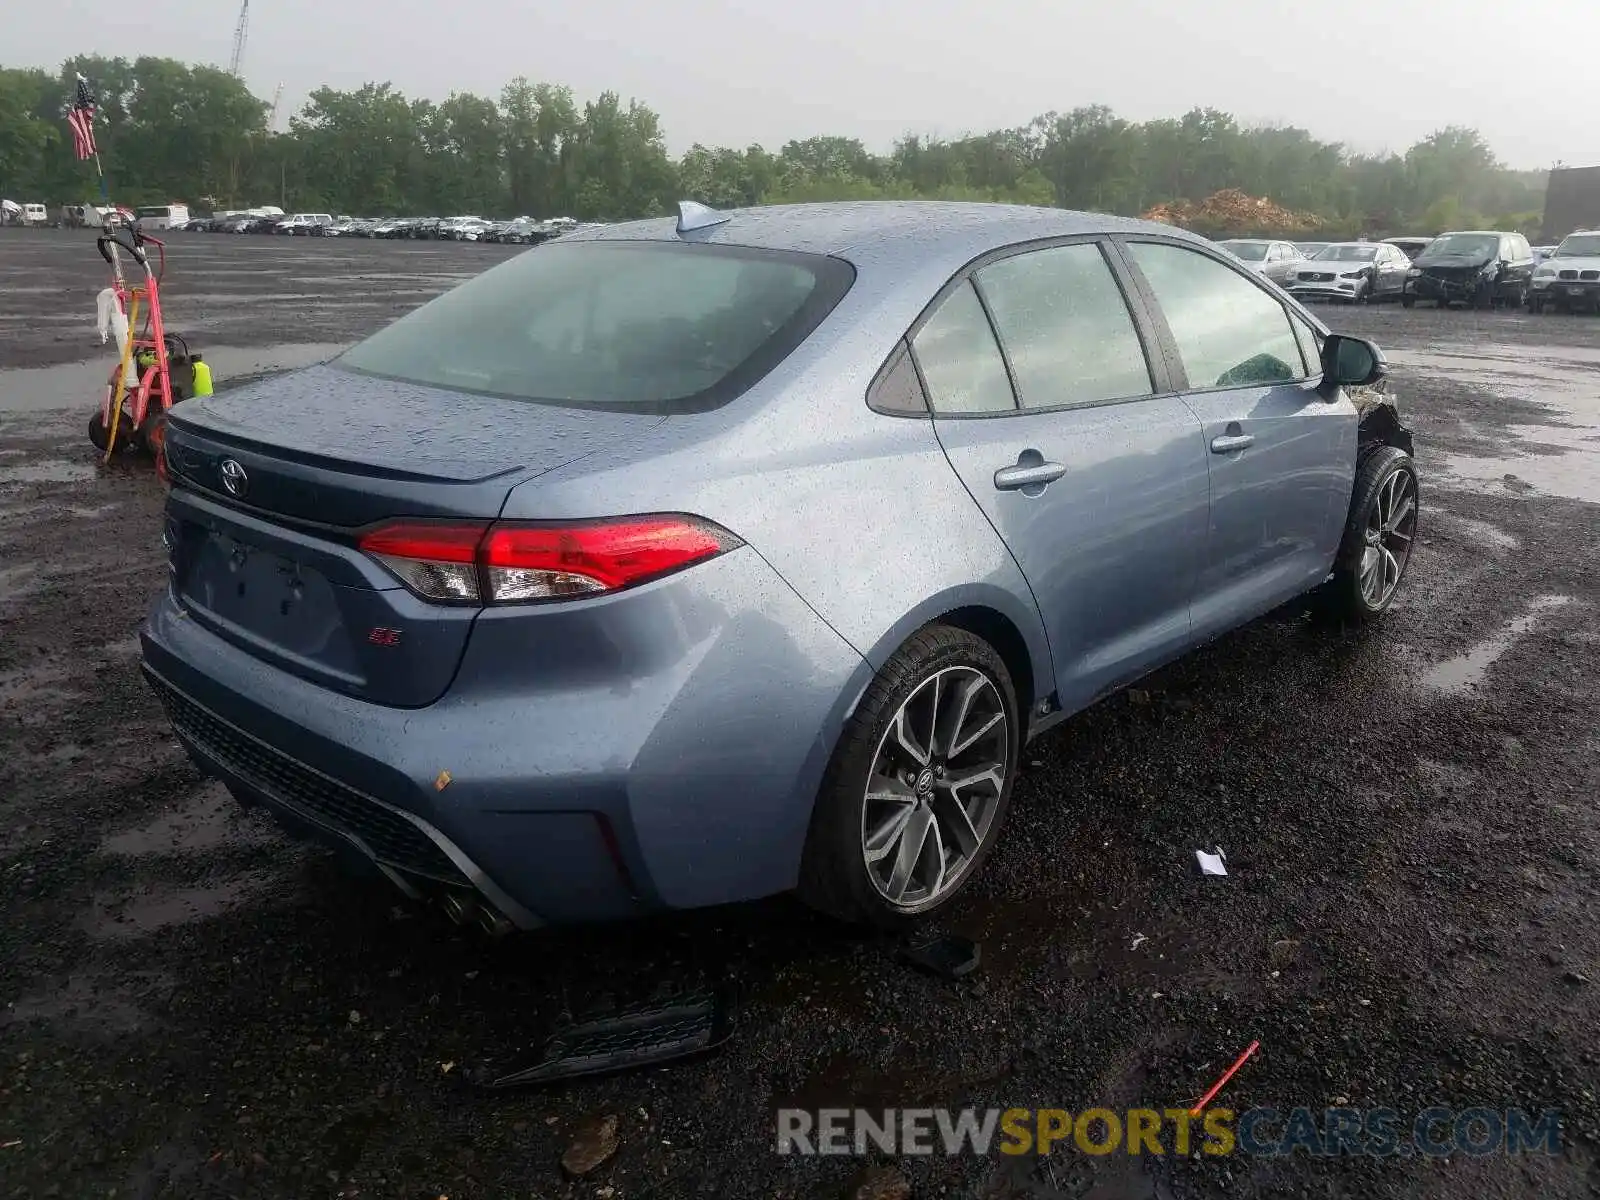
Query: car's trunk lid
[272,483]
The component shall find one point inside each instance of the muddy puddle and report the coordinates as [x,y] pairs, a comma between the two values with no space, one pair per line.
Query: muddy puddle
[210,820]
[1467,671]
[56,470]
[1556,457]
[95,1003]
[80,385]
[145,910]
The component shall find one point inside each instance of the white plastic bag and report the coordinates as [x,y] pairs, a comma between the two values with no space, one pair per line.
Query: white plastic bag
[110,319]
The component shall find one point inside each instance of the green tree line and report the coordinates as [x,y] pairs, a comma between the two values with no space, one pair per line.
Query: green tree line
[169,131]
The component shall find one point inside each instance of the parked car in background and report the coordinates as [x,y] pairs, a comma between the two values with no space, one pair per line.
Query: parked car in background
[522,598]
[1540,253]
[155,217]
[462,229]
[1409,246]
[305,224]
[1570,277]
[35,214]
[1310,248]
[524,231]
[1354,272]
[1275,260]
[1480,268]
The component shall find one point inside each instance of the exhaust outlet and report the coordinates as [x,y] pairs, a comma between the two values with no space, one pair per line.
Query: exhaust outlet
[459,907]
[495,924]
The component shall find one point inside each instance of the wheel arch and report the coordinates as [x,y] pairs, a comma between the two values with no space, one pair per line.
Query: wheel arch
[1380,426]
[1013,627]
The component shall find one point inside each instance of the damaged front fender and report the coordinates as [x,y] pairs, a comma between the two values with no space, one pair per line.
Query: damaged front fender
[1380,423]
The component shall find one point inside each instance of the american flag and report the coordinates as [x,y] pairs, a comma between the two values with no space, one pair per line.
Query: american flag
[81,120]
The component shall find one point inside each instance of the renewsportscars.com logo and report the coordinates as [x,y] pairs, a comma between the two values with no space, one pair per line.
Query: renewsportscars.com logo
[1263,1132]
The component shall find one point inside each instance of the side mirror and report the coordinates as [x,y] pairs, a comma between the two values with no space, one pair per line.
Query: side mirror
[1352,361]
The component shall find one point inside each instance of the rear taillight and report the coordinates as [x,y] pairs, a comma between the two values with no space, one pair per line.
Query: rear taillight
[436,560]
[514,562]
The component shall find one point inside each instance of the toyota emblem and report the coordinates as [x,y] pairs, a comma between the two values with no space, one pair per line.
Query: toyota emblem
[234,479]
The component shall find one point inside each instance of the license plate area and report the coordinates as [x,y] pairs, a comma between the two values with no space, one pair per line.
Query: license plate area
[1575,291]
[272,599]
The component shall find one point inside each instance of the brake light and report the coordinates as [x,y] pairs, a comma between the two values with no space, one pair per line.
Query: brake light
[513,562]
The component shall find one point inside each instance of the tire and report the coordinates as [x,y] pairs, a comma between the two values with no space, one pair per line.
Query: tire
[154,430]
[1535,305]
[1408,301]
[1344,598]
[99,435]
[930,673]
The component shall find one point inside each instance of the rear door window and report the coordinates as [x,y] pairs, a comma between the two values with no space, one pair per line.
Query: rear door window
[959,359]
[630,326]
[1065,327]
[1230,331]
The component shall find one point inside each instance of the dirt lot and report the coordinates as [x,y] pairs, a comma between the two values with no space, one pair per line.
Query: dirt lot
[191,1006]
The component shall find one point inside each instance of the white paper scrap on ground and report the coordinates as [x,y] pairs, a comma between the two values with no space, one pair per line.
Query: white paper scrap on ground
[1212,864]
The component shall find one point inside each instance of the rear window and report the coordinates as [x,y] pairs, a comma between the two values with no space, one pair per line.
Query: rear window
[631,326]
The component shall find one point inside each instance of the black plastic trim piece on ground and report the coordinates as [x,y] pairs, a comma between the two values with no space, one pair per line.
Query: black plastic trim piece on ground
[947,955]
[648,1034]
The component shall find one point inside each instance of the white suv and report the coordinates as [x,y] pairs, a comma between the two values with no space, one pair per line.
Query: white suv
[1569,278]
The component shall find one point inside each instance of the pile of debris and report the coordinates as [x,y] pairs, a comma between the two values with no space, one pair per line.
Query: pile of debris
[1233,211]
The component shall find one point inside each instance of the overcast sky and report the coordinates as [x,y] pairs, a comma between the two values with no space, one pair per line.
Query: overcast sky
[1378,74]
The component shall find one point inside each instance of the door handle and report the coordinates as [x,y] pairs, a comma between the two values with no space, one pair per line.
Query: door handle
[1229,442]
[1009,479]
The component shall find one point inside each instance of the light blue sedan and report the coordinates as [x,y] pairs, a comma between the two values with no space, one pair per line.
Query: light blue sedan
[687,561]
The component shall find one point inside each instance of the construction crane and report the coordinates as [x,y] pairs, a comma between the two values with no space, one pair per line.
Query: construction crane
[240,32]
[272,113]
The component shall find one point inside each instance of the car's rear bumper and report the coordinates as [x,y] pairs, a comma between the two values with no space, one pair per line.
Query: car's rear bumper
[545,783]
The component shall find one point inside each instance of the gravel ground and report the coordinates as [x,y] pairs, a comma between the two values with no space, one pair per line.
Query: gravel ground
[190,1006]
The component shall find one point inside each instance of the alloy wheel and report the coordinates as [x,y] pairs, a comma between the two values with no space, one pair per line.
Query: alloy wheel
[1391,528]
[935,787]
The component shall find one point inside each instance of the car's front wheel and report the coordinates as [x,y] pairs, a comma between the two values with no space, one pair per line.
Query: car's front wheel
[1378,538]
[917,790]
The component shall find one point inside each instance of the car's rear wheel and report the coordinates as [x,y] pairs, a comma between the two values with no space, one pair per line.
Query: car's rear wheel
[1378,538]
[918,787]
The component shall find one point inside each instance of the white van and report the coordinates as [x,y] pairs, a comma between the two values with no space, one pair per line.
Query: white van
[163,216]
[35,214]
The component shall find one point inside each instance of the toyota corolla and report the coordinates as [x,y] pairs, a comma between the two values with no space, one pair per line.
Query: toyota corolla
[684,562]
